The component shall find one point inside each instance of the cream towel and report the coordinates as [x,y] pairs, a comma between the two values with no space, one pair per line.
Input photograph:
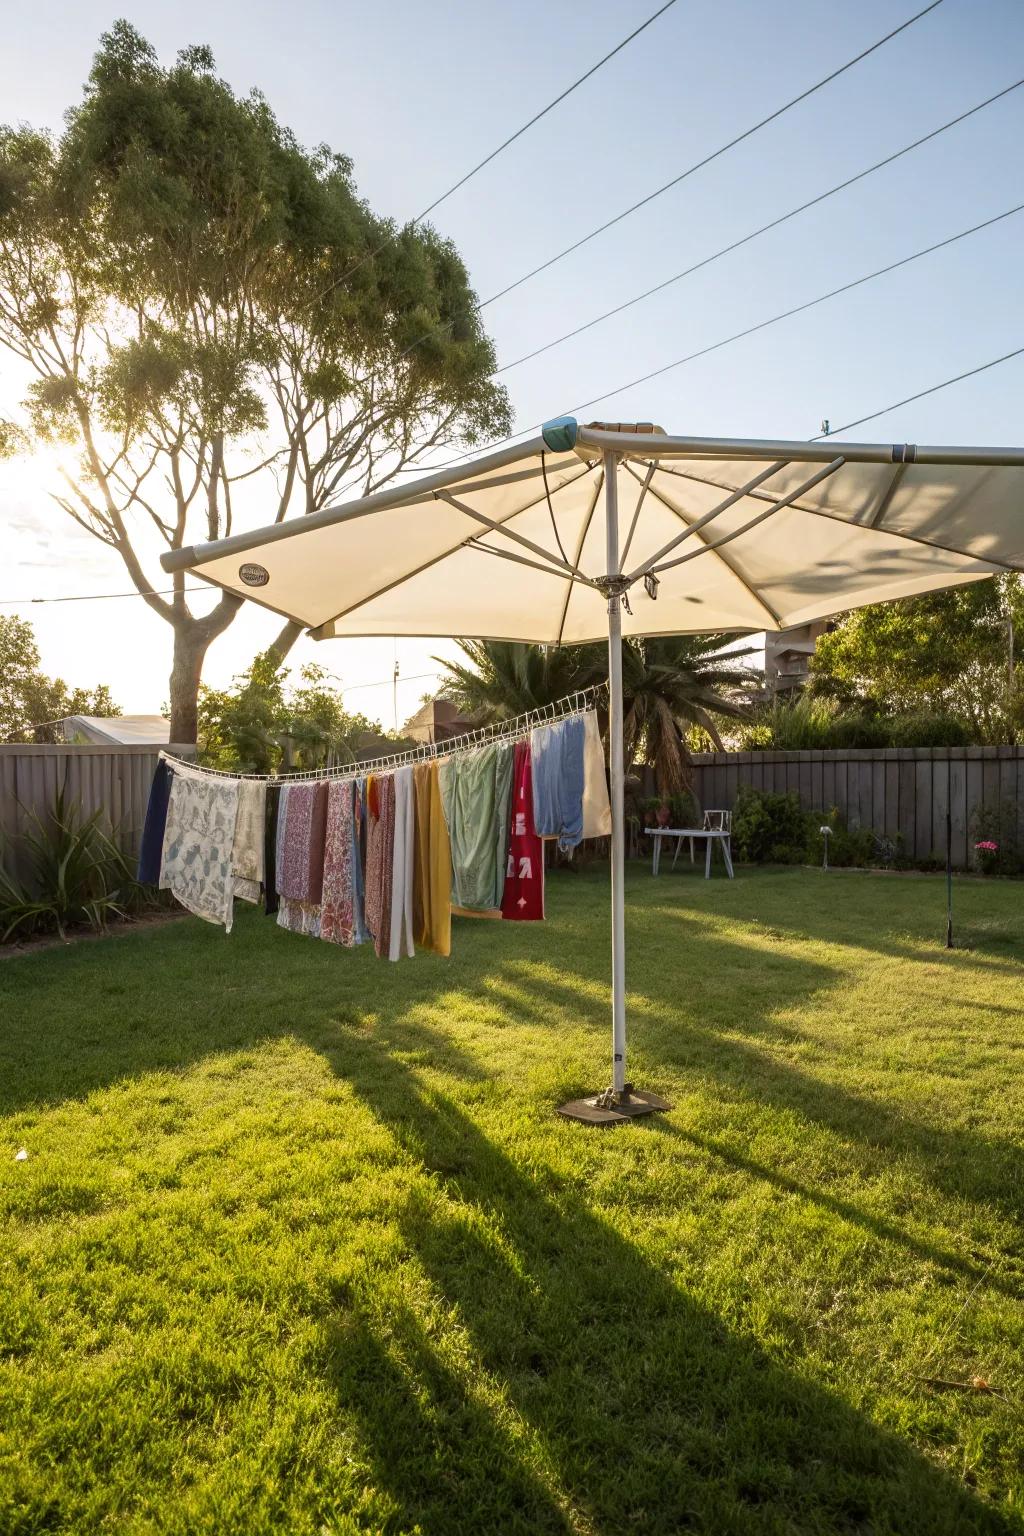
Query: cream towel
[597,811]
[248,846]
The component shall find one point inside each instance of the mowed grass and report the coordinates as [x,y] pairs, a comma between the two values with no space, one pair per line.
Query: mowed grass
[300,1245]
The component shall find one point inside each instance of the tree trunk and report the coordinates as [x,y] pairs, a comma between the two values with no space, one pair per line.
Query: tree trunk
[192,640]
[280,647]
[186,670]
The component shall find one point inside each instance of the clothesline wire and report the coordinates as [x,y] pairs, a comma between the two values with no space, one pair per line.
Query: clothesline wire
[497,734]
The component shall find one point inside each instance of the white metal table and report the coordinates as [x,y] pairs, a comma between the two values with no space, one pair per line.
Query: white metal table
[710,835]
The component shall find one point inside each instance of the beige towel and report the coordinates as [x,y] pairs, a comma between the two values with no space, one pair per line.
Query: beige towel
[248,846]
[597,811]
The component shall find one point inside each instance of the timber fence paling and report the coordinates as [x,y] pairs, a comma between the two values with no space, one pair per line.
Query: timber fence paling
[113,780]
[900,793]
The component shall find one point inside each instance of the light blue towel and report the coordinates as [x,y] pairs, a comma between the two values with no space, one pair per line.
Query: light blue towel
[556,760]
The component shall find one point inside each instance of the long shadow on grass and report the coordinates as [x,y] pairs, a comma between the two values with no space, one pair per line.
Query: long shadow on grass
[82,1019]
[651,1415]
[908,917]
[670,1029]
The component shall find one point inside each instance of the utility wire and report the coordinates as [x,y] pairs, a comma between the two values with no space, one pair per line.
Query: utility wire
[94,597]
[675,181]
[749,330]
[799,309]
[412,223]
[715,154]
[934,388]
[773,224]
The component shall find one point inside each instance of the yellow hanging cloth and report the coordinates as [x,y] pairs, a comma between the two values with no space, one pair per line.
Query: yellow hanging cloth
[432,867]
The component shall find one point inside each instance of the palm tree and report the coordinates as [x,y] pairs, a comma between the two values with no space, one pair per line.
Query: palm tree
[670,685]
[504,678]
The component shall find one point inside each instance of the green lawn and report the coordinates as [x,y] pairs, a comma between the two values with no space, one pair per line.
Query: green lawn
[301,1247]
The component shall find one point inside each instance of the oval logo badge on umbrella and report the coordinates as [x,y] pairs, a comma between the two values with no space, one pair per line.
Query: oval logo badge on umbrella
[254,575]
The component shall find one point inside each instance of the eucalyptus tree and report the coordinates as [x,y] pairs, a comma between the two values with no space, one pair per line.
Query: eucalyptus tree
[217,324]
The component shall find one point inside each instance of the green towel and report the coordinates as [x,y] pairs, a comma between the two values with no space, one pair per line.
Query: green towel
[476,792]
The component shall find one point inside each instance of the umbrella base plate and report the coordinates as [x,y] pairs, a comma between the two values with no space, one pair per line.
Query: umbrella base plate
[606,1109]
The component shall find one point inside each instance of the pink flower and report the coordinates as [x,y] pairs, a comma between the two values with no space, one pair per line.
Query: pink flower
[987,847]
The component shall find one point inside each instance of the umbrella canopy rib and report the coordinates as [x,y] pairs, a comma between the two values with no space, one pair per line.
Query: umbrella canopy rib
[887,496]
[777,506]
[510,554]
[510,533]
[723,506]
[598,488]
[775,618]
[849,522]
[636,515]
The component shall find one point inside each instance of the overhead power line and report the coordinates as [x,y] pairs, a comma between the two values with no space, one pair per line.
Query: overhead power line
[94,597]
[675,181]
[412,223]
[798,309]
[921,393]
[764,228]
[714,155]
[750,330]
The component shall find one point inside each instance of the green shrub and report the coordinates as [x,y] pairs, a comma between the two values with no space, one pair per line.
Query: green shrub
[810,723]
[769,828]
[77,875]
[929,730]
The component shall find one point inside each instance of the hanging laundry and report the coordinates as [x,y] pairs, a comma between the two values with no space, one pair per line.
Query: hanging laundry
[338,923]
[300,917]
[402,867]
[359,860]
[247,854]
[432,867]
[300,871]
[389,856]
[380,858]
[271,809]
[152,844]
[597,811]
[476,790]
[523,899]
[195,862]
[300,862]
[557,759]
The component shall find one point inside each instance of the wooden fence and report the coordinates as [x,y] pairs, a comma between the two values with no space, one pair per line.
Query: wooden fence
[113,780]
[896,792]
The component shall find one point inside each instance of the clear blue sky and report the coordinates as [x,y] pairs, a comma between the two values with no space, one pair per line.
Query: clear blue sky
[416,94]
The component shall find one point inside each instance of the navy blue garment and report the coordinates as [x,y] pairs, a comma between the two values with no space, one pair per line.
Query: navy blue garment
[556,760]
[270,897]
[156,820]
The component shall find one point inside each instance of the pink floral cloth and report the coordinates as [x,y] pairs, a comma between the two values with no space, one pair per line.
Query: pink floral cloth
[338,919]
[299,917]
[301,862]
[380,860]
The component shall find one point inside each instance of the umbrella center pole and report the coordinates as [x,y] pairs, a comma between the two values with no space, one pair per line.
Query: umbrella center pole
[620,1101]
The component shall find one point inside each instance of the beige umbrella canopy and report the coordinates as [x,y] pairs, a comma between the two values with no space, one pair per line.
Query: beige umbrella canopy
[588,532]
[744,537]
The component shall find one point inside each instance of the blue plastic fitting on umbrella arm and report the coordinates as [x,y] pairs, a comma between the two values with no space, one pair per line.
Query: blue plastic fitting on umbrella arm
[560,433]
